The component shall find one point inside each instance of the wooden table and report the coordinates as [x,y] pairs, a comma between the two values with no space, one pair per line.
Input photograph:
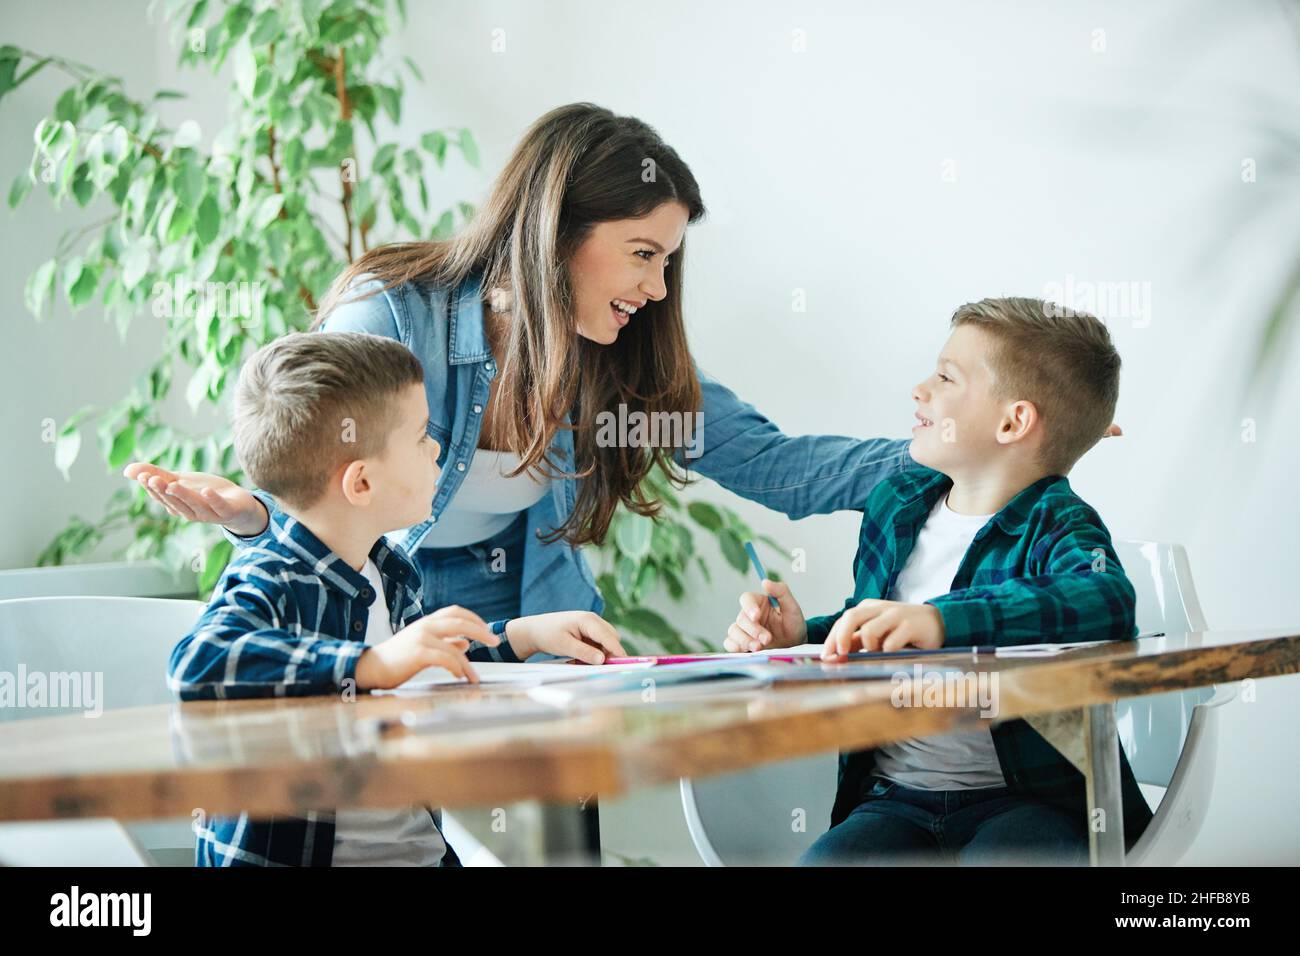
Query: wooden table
[288,755]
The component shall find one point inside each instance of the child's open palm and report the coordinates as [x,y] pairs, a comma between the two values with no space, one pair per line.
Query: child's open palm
[199,496]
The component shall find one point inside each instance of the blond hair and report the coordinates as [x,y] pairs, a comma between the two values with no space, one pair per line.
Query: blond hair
[1061,360]
[308,403]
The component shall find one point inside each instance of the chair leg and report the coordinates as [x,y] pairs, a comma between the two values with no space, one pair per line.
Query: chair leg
[570,832]
[1101,748]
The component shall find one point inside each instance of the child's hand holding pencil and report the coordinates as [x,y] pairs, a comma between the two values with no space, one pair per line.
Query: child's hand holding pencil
[770,619]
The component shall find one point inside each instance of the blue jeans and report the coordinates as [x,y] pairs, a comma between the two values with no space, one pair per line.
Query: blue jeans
[900,825]
[483,577]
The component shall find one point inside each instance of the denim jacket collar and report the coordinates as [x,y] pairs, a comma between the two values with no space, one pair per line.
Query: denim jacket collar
[467,341]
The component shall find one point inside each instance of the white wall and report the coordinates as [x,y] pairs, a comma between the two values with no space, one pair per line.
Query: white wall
[822,171]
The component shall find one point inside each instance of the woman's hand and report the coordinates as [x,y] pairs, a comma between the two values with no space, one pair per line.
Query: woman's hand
[198,496]
[759,625]
[583,635]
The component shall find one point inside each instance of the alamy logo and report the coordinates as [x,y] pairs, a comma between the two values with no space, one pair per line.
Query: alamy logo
[75,690]
[947,688]
[638,429]
[1109,301]
[102,909]
[186,299]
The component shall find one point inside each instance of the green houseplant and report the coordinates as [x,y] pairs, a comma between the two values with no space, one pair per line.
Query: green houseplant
[233,238]
[643,556]
[230,238]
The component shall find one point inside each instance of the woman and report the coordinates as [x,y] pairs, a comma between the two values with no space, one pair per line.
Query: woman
[559,302]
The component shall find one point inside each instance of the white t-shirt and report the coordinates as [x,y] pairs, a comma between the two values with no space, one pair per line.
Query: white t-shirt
[406,837]
[487,501]
[958,761]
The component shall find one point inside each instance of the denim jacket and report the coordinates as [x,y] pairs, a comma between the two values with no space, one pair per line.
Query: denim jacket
[740,449]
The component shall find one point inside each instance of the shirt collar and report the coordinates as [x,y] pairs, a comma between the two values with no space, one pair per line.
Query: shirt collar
[926,486]
[302,543]
[467,341]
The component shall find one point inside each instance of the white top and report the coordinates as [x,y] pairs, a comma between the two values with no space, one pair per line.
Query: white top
[406,837]
[958,761]
[486,502]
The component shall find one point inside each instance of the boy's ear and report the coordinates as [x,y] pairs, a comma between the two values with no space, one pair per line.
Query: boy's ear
[355,483]
[1019,420]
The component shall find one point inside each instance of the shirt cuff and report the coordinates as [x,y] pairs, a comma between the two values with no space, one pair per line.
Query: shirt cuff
[243,541]
[818,627]
[503,653]
[329,671]
[966,623]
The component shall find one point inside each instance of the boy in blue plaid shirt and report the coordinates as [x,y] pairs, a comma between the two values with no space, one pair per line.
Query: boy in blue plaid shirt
[983,543]
[336,427]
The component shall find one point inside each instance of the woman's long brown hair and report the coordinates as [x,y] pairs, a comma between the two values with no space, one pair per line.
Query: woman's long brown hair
[577,166]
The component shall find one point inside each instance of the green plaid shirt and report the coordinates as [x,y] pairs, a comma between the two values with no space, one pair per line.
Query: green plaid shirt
[1042,570]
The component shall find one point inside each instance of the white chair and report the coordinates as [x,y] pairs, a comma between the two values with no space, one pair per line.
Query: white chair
[128,640]
[115,578]
[469,848]
[1171,740]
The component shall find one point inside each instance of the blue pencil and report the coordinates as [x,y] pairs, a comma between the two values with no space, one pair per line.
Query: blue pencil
[758,569]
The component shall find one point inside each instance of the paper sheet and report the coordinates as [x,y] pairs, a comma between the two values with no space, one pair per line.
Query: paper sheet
[1021,650]
[528,675]
[1043,650]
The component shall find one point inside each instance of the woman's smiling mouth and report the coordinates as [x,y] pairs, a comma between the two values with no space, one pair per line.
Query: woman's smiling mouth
[623,310]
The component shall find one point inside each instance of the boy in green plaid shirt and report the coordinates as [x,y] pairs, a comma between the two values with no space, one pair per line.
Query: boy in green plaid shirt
[983,543]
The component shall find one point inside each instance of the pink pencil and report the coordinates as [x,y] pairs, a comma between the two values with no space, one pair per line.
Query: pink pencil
[690,659]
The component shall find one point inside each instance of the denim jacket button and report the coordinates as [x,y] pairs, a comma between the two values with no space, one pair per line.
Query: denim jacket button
[365,594]
[460,466]
[357,626]
[477,409]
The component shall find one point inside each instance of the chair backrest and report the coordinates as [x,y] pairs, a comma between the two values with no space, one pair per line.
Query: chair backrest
[113,578]
[122,643]
[1154,728]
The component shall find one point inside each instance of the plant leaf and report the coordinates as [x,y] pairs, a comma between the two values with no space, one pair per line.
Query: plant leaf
[634,534]
[39,285]
[66,447]
[123,445]
[217,559]
[733,550]
[468,148]
[267,210]
[208,222]
[245,66]
[136,263]
[435,144]
[22,185]
[705,515]
[650,623]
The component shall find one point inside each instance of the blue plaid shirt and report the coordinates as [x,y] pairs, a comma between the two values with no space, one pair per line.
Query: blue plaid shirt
[288,618]
[1042,570]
